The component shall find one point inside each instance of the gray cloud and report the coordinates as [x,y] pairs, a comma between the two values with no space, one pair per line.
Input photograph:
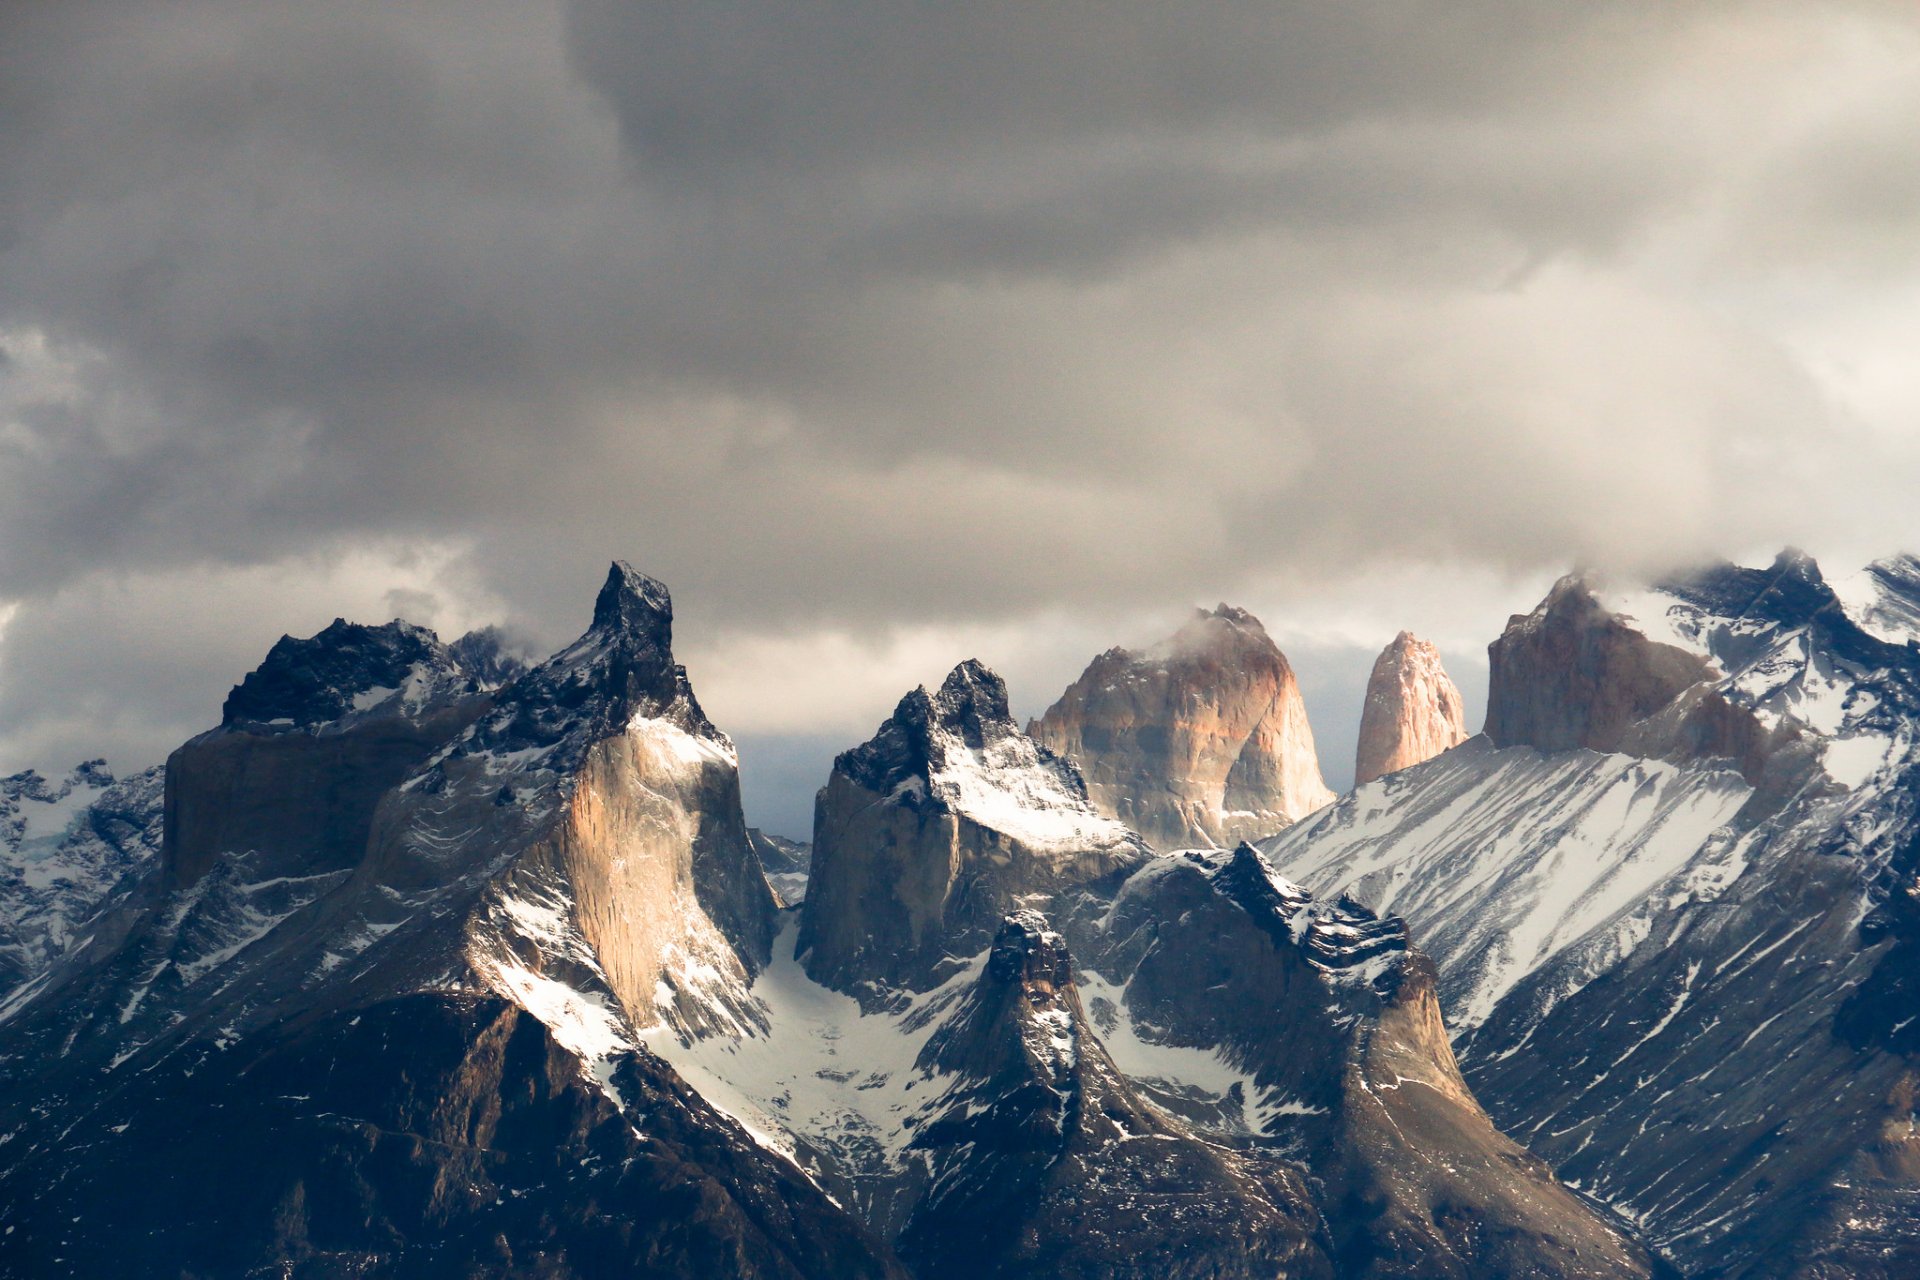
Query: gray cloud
[892,320]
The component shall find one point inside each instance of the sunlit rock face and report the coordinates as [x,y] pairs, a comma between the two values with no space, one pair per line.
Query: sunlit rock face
[386,994]
[1198,742]
[1413,711]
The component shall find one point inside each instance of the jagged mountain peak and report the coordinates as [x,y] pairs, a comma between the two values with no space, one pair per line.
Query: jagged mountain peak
[927,832]
[621,667]
[961,728]
[972,702]
[1343,938]
[344,668]
[631,603]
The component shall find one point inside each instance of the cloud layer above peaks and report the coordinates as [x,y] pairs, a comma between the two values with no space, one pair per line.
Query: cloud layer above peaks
[851,318]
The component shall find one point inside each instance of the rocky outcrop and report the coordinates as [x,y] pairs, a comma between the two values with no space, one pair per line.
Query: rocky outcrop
[1574,674]
[1412,713]
[308,744]
[1046,1162]
[1199,741]
[929,833]
[1417,1181]
[600,775]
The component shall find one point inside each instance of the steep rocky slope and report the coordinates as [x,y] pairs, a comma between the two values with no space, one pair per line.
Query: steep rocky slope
[1200,741]
[1681,966]
[376,1011]
[1412,712]
[1021,1046]
[441,976]
[65,848]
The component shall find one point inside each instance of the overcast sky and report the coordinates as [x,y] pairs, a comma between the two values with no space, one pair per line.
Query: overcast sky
[889,334]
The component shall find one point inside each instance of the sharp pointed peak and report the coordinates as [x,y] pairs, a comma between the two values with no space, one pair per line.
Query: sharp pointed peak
[631,600]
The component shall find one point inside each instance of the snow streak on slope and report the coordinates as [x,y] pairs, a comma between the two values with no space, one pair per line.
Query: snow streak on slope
[1502,859]
[1790,654]
[823,1079]
[64,847]
[1006,785]
[1883,599]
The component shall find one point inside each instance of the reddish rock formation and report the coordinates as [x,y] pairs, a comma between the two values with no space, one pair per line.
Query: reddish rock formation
[1413,711]
[1199,741]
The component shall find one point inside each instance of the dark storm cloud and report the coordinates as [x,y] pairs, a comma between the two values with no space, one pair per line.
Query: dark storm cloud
[863,316]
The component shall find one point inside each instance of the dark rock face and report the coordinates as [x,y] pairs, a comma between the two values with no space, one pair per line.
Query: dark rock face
[317,680]
[929,833]
[235,789]
[1199,741]
[308,744]
[1048,1163]
[425,1136]
[440,918]
[1417,1182]
[1570,674]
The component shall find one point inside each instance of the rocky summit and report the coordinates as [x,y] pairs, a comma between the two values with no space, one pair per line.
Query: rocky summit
[428,961]
[1412,713]
[1200,741]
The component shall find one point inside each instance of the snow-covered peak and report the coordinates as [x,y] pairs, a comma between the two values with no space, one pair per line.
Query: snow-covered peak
[960,748]
[35,812]
[1774,645]
[63,848]
[1883,599]
[620,671]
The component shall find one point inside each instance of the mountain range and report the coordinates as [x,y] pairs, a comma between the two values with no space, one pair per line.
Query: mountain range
[427,961]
